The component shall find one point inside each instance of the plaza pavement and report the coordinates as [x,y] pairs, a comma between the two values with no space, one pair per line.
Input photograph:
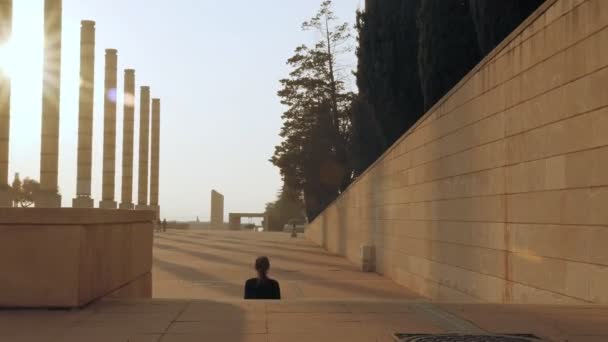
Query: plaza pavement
[198,278]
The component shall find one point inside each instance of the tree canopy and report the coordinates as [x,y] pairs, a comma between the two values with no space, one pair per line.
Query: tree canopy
[410,54]
[313,156]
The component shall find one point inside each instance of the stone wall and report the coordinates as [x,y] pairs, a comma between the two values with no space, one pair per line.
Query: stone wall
[70,257]
[500,192]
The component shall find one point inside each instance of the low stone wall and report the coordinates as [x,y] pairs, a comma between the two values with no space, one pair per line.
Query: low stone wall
[500,192]
[70,257]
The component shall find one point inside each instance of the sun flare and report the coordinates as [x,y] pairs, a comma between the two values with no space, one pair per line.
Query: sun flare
[7,59]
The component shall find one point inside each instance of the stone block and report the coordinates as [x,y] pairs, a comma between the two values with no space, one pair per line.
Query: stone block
[566,136]
[573,243]
[48,200]
[565,278]
[574,206]
[108,205]
[126,206]
[487,209]
[83,202]
[67,258]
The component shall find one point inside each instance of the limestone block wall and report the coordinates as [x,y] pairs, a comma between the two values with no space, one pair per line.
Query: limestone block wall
[500,192]
[69,257]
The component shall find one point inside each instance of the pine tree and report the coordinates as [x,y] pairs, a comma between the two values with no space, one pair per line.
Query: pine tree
[313,156]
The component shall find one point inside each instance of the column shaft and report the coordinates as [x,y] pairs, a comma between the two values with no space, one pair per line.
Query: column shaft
[127,144]
[144,150]
[155,154]
[49,142]
[85,116]
[109,132]
[6,23]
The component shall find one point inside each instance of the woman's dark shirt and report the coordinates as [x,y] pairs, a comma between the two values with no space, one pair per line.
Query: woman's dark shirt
[262,289]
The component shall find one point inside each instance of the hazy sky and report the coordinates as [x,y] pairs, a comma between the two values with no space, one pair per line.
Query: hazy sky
[215,64]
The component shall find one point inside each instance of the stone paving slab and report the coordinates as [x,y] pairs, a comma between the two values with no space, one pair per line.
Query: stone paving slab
[215,265]
[293,320]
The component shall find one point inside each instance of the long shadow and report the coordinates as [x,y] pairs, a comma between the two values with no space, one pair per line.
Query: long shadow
[274,246]
[232,239]
[338,285]
[221,260]
[313,250]
[269,253]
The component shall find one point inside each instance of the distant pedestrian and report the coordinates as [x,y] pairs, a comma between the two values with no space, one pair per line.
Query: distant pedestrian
[294,233]
[164,225]
[262,287]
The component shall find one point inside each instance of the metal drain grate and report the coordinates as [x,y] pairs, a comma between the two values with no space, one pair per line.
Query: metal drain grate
[465,338]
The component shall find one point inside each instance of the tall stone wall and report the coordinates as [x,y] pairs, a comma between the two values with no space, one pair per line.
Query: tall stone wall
[500,192]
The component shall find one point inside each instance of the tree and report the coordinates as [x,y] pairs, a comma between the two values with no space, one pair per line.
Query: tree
[390,98]
[448,47]
[24,192]
[494,20]
[313,156]
[16,190]
[289,207]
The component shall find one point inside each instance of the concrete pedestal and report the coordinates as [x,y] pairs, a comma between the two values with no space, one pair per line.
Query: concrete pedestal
[83,202]
[66,258]
[48,200]
[126,206]
[108,205]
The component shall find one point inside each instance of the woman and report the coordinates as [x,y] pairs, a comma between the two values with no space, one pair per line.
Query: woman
[262,287]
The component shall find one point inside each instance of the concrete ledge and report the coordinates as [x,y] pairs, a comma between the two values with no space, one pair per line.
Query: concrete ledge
[71,216]
[70,257]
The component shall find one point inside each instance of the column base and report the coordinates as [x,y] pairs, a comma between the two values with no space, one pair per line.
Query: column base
[6,200]
[48,200]
[108,205]
[83,202]
[142,207]
[126,206]
[156,209]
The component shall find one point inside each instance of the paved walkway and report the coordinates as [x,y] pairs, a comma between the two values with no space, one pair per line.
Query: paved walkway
[214,265]
[197,284]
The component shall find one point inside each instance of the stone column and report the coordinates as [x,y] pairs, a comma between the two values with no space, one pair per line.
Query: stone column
[49,142]
[85,116]
[6,23]
[109,132]
[127,141]
[155,156]
[144,142]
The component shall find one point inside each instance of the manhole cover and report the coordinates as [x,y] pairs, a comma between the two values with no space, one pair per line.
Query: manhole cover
[465,338]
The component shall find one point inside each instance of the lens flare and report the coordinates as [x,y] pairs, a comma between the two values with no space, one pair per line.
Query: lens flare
[112,95]
[129,100]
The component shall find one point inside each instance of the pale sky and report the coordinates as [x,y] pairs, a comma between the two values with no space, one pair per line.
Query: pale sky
[216,66]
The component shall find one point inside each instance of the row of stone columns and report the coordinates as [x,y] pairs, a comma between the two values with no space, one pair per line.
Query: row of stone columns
[49,196]
[108,201]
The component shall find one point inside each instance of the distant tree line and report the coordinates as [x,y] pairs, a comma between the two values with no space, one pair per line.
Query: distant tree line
[410,53]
